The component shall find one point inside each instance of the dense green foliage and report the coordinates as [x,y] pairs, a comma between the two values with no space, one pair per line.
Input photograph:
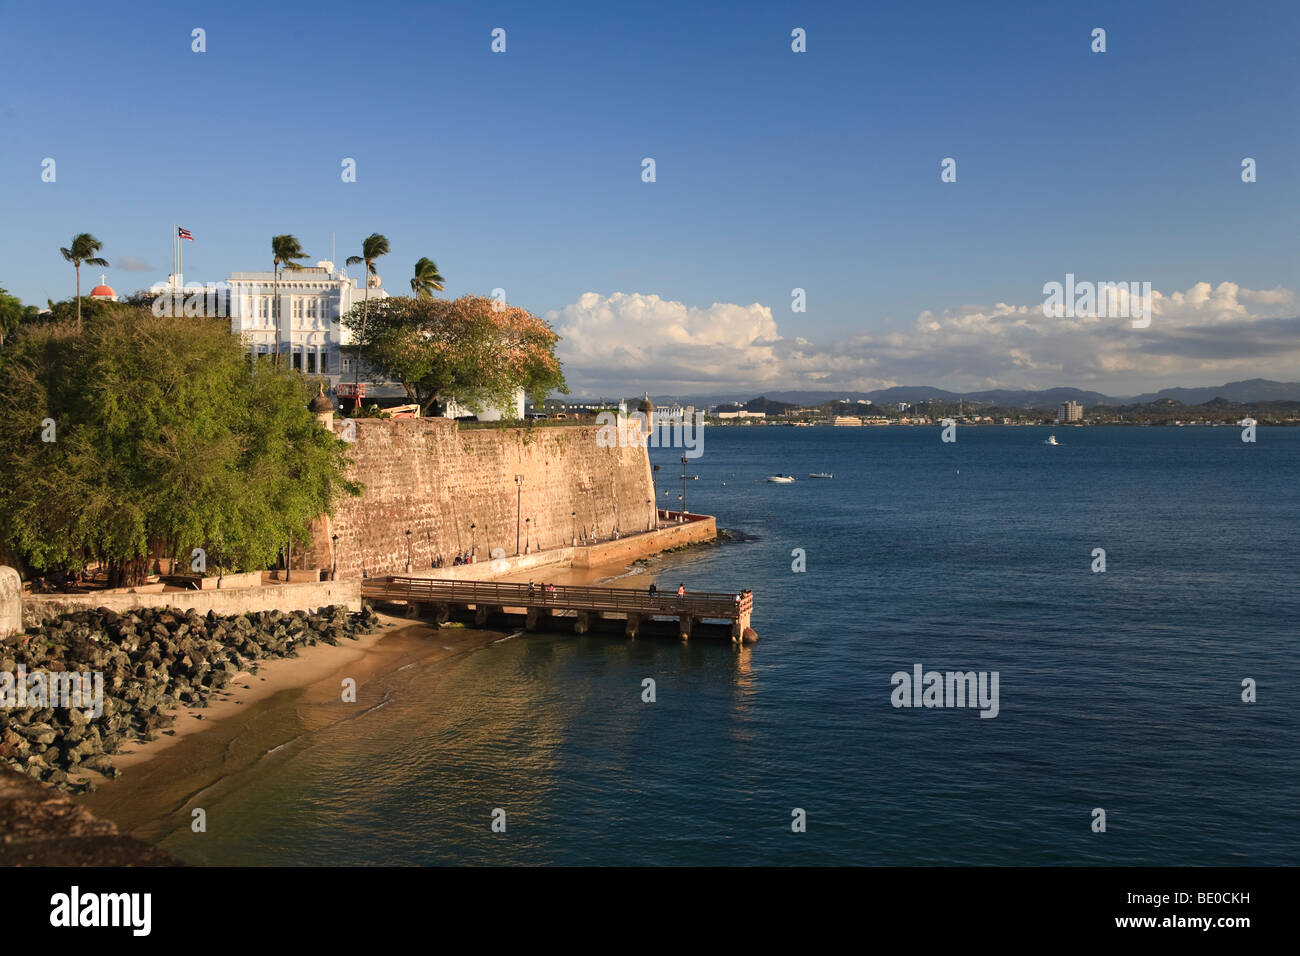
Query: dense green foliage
[166,437]
[472,349]
[12,314]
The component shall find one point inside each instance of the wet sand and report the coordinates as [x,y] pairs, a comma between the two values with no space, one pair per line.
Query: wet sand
[284,701]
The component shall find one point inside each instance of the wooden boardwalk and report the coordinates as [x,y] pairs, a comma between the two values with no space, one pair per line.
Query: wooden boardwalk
[439,598]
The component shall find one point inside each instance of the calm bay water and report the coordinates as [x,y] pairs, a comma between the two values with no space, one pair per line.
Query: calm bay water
[1119,690]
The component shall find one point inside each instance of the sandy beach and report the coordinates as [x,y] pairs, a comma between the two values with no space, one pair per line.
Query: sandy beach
[257,713]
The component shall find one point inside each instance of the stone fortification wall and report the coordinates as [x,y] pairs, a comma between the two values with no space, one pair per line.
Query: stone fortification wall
[454,489]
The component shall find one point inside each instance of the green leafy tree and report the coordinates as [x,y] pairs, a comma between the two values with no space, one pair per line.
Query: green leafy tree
[285,250]
[12,314]
[427,279]
[470,349]
[83,249]
[143,437]
[372,247]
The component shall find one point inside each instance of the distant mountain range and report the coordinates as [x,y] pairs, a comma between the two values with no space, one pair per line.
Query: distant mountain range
[1252,390]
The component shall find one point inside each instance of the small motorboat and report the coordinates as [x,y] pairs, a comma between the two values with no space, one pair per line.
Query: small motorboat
[782,479]
[820,474]
[1051,440]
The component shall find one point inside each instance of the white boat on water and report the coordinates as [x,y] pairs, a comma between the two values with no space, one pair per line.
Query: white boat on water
[1051,440]
[782,479]
[820,474]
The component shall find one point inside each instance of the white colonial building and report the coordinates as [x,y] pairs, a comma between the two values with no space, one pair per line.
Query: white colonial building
[312,302]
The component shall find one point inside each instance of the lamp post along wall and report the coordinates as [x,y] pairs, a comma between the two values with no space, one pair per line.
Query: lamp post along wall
[519,504]
[654,488]
[684,460]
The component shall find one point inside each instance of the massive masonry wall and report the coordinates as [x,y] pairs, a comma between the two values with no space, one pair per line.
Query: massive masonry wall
[431,477]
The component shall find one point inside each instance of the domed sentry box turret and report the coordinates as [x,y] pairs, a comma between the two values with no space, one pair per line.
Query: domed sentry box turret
[322,409]
[647,409]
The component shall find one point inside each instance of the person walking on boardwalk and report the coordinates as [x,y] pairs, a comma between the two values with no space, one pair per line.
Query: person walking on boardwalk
[653,589]
[532,589]
[681,590]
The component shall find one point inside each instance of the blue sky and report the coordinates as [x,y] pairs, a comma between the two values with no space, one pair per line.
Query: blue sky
[775,170]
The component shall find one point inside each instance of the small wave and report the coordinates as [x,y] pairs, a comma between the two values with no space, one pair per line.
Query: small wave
[618,577]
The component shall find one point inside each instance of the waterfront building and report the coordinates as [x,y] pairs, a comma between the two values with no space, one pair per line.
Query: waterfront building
[1069,412]
[312,301]
[847,421]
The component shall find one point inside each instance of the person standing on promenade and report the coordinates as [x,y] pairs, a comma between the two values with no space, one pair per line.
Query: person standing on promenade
[681,590]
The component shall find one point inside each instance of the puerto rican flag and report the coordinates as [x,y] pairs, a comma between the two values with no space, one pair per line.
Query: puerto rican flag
[184,233]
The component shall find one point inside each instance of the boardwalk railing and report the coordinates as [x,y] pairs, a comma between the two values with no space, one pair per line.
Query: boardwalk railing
[697,604]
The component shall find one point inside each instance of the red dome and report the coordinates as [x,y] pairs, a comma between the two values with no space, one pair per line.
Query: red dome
[102,290]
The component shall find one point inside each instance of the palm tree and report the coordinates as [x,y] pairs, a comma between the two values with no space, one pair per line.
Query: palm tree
[427,278]
[285,250]
[372,248]
[84,247]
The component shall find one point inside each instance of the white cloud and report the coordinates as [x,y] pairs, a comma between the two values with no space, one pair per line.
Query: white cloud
[1204,335]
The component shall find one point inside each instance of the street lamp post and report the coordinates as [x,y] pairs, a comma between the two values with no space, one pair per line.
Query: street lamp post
[473,542]
[334,569]
[408,550]
[519,503]
[654,488]
[528,523]
[574,516]
[684,460]
[649,521]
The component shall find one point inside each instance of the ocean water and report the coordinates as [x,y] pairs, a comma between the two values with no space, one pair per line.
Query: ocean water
[1119,690]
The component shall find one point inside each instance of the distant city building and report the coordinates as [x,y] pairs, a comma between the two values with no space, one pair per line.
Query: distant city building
[1069,412]
[846,421]
[742,414]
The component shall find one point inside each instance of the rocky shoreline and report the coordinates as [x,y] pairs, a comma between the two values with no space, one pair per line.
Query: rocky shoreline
[153,660]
